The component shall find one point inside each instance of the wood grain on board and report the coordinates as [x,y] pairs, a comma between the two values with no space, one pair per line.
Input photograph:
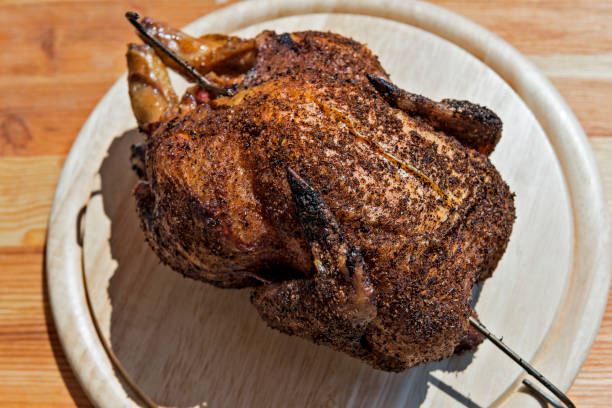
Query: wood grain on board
[58,60]
[33,368]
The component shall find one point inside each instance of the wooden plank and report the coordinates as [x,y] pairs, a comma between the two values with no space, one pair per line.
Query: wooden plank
[543,27]
[26,194]
[590,101]
[69,55]
[585,66]
[72,37]
[69,37]
[33,368]
[44,118]
[602,146]
[592,386]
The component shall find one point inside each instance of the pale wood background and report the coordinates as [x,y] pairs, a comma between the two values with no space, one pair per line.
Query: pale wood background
[59,58]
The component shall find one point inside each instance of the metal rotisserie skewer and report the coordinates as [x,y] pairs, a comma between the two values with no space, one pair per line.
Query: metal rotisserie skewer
[202,81]
[527,367]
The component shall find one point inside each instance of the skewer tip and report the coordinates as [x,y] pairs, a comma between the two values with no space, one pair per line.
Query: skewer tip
[132,15]
[526,366]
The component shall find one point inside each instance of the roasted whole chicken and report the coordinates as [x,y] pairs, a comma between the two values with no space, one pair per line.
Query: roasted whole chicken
[361,215]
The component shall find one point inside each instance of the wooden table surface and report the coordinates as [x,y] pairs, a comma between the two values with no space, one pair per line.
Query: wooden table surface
[59,58]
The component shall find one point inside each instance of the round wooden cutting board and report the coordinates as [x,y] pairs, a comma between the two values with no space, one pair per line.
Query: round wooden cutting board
[184,343]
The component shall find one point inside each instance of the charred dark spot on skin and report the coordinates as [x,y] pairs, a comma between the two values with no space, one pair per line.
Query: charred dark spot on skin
[389,91]
[287,40]
[137,159]
[475,112]
[353,258]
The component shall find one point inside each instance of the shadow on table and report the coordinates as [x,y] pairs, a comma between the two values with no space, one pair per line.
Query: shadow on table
[185,343]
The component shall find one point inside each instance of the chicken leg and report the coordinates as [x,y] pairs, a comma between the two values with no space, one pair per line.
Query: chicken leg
[151,94]
[336,305]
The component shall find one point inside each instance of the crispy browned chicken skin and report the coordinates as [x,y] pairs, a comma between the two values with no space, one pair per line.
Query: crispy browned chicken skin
[361,214]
